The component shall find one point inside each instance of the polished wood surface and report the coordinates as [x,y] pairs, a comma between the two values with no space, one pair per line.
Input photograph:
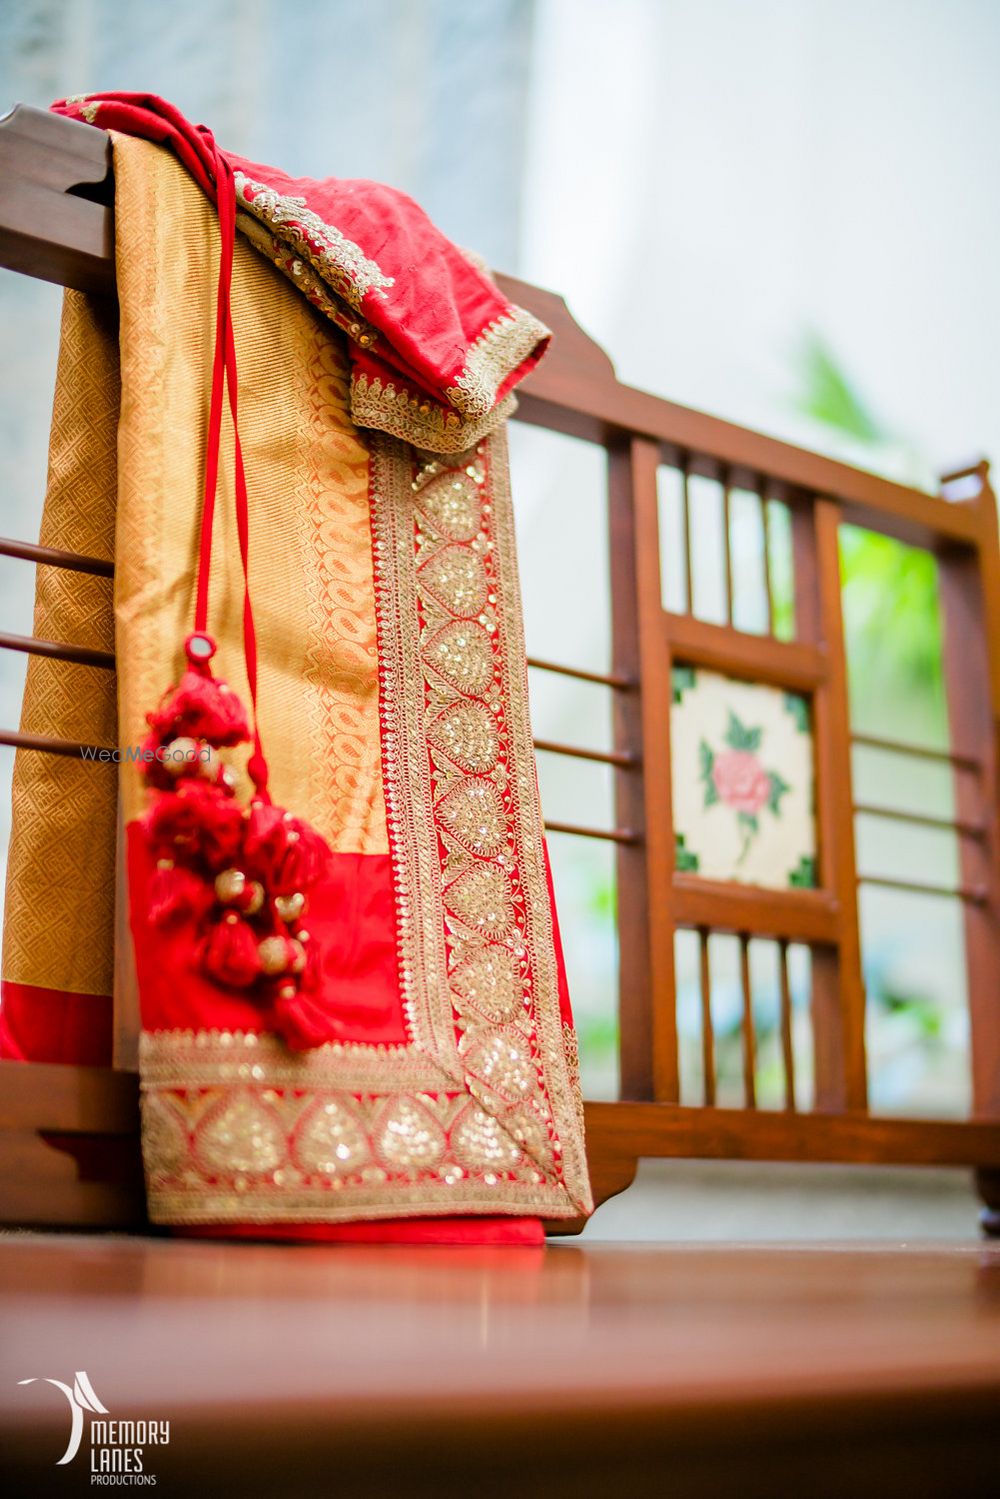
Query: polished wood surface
[570,1370]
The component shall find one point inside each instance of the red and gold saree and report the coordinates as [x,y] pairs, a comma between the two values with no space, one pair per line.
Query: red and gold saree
[430,1070]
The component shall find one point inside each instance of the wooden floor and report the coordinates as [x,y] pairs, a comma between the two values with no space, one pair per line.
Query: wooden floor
[569,1370]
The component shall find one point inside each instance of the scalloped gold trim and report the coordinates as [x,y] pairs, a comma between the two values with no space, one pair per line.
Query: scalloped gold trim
[413,418]
[87,107]
[196,1059]
[301,274]
[337,259]
[491,359]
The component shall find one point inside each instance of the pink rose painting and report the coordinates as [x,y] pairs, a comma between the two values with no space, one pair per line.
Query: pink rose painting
[735,778]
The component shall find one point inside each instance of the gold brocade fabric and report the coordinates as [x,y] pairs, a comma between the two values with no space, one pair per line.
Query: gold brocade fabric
[128,437]
[310,540]
[386,600]
[59,911]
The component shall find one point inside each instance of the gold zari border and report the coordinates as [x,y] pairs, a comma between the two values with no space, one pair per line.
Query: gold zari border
[236,1129]
[472,896]
[412,418]
[499,349]
[337,259]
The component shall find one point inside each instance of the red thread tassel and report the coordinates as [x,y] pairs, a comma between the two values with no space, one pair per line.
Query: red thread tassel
[175,892]
[285,854]
[196,821]
[301,1022]
[202,708]
[229,953]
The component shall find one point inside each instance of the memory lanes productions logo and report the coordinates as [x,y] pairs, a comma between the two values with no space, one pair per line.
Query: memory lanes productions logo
[117,1454]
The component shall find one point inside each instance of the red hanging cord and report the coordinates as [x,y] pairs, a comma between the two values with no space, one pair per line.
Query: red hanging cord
[224,371]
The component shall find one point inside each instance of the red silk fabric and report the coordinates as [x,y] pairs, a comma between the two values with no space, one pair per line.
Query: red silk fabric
[53,1025]
[438,303]
[516,1232]
[352,921]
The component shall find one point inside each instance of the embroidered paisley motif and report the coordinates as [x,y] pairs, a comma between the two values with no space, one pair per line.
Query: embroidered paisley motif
[164,1135]
[503,1060]
[480,1142]
[455,577]
[467,734]
[461,652]
[481,898]
[330,1141]
[474,812]
[489,983]
[452,505]
[244,1136]
[408,1136]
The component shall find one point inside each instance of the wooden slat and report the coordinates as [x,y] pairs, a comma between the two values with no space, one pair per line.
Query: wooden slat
[617,680]
[798,915]
[970,607]
[976,895]
[58,650]
[755,658]
[650,1129]
[765,532]
[73,748]
[47,230]
[917,751]
[580,752]
[74,562]
[838,988]
[648,1023]
[707,1024]
[580,830]
[967,828]
[727,544]
[688,557]
[747,1027]
[787,1041]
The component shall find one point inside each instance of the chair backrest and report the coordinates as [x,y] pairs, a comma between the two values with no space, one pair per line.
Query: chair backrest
[672,674]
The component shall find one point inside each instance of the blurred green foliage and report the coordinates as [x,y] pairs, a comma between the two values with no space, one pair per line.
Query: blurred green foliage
[891,618]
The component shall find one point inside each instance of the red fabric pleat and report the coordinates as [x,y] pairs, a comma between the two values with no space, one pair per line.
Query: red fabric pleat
[54,1025]
[454,1231]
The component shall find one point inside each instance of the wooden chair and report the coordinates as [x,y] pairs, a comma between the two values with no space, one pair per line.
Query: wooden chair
[69,1152]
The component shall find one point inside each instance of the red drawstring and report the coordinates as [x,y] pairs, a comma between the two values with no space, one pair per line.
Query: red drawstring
[224,369]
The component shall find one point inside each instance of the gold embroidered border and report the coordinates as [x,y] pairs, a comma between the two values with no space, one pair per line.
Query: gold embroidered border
[236,1129]
[499,349]
[385,407]
[414,419]
[560,1066]
[337,259]
[301,274]
[202,1059]
[450,643]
